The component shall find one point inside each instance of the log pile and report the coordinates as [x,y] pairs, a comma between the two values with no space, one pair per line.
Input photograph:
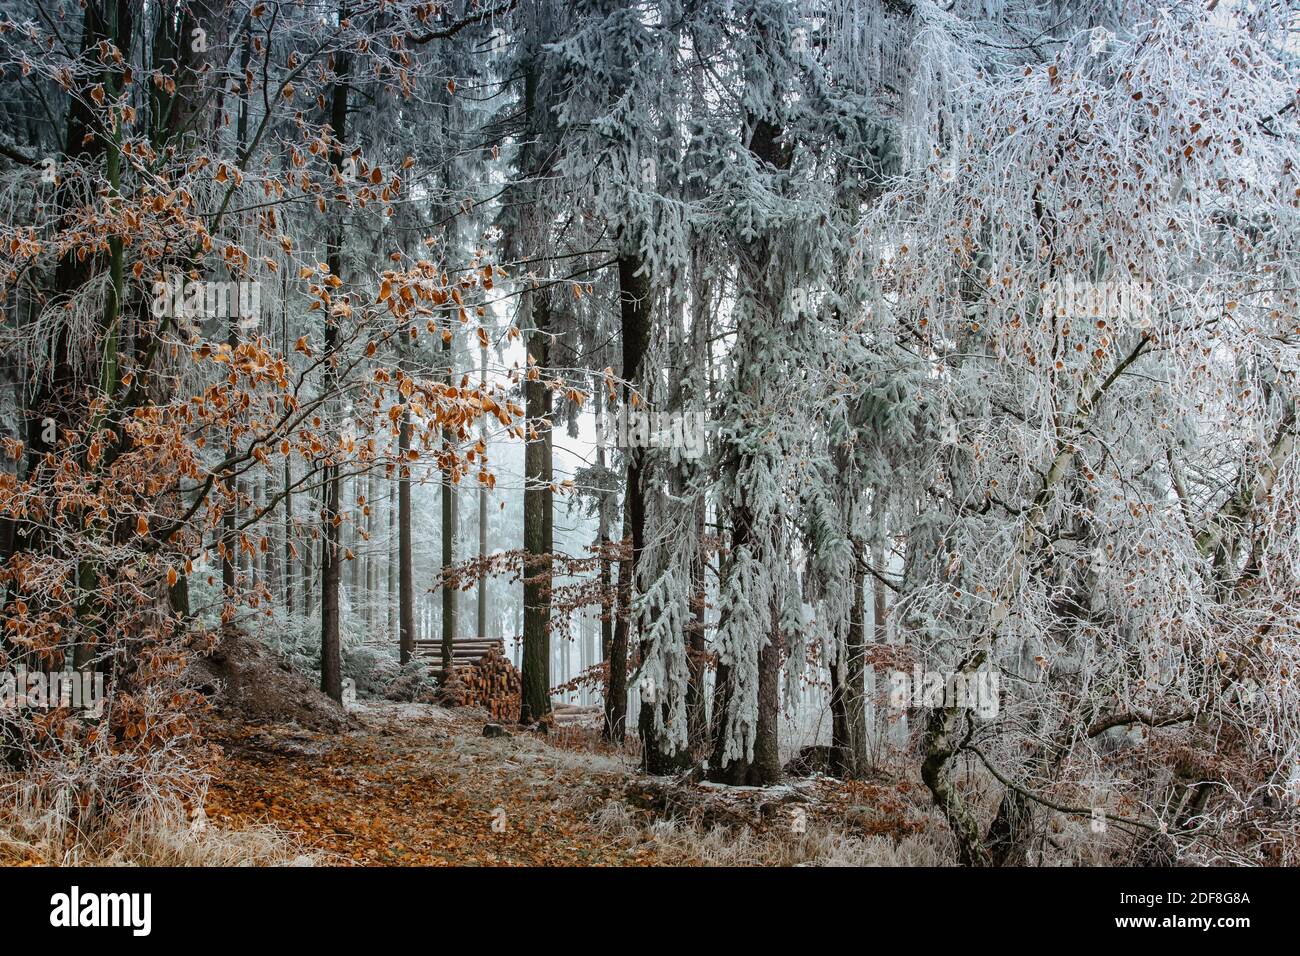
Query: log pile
[481,676]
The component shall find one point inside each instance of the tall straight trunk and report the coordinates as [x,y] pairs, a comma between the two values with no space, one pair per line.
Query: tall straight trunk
[331,671]
[250,552]
[229,538]
[539,540]
[331,676]
[244,560]
[266,554]
[309,538]
[372,569]
[406,570]
[481,590]
[541,22]
[231,560]
[354,545]
[450,592]
[392,561]
[635,320]
[288,467]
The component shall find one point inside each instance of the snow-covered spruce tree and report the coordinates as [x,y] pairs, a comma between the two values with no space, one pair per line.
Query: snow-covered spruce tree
[787,166]
[619,118]
[1096,267]
[854,64]
[761,429]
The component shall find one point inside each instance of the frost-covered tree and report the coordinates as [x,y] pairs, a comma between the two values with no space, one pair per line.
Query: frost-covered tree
[1093,269]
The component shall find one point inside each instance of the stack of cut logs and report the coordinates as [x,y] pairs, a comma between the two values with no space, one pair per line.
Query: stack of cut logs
[482,676]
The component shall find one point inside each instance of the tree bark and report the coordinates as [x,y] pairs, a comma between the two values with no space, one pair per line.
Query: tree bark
[405,564]
[603,542]
[450,592]
[481,590]
[616,701]
[331,671]
[538,529]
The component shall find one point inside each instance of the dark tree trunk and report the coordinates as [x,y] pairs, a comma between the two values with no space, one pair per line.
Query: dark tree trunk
[309,592]
[697,713]
[288,569]
[538,528]
[481,589]
[393,560]
[331,669]
[602,538]
[449,591]
[848,695]
[405,568]
[635,312]
[857,679]
[616,699]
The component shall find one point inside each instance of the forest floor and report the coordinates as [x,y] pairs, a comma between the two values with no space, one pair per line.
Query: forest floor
[415,784]
[418,785]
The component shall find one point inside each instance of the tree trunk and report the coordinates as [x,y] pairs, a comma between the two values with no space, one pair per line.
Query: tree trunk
[331,670]
[538,529]
[481,590]
[697,713]
[603,542]
[372,569]
[635,312]
[392,559]
[405,570]
[450,592]
[616,700]
[309,537]
[288,470]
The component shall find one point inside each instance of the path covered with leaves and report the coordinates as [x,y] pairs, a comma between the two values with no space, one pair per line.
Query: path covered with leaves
[417,785]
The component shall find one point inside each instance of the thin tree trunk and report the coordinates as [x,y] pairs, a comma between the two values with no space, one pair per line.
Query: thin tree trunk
[392,558]
[288,470]
[481,590]
[450,592]
[310,535]
[856,682]
[371,566]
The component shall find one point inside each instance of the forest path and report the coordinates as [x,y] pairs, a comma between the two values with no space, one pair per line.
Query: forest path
[418,785]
